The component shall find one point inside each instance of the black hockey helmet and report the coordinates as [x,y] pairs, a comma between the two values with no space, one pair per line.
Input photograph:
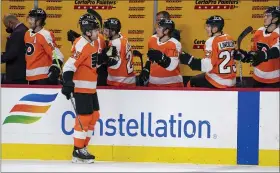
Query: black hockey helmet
[113,24]
[274,11]
[167,24]
[217,21]
[86,16]
[88,22]
[38,14]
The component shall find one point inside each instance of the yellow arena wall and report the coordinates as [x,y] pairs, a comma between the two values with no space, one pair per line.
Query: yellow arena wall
[137,18]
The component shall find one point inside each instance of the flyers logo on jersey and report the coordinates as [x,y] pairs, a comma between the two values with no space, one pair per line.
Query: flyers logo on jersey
[30,49]
[262,46]
[76,55]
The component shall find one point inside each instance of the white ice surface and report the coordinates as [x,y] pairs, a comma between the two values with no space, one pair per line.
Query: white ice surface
[67,166]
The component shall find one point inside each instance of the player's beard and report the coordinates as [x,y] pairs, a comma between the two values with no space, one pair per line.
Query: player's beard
[33,26]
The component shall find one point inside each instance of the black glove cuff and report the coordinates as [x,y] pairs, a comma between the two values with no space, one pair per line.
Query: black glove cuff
[273,53]
[195,64]
[68,76]
[69,84]
[148,65]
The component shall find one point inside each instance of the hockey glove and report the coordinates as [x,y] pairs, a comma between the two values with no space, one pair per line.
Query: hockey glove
[111,55]
[68,84]
[185,58]
[191,61]
[242,55]
[54,71]
[159,57]
[258,57]
[113,61]
[108,52]
[72,35]
[145,74]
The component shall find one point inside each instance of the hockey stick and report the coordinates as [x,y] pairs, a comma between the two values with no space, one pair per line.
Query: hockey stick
[96,15]
[56,59]
[244,33]
[74,106]
[140,55]
[57,63]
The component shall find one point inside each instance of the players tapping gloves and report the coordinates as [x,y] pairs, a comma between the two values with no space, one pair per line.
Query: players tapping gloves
[218,65]
[116,55]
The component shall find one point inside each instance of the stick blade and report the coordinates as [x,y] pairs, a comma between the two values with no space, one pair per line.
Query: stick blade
[136,53]
[96,15]
[245,32]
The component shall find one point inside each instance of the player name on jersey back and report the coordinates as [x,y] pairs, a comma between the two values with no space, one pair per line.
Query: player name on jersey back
[226,44]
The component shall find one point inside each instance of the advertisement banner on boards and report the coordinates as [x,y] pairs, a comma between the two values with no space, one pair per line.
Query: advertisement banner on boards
[45,116]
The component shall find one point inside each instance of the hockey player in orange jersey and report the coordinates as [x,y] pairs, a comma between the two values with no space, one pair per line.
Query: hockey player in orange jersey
[101,44]
[163,58]
[264,54]
[80,78]
[218,64]
[118,55]
[43,58]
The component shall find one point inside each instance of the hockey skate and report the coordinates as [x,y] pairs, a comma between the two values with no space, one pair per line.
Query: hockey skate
[82,156]
[86,148]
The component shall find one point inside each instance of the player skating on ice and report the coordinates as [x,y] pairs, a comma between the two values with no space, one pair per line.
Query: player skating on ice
[217,65]
[80,78]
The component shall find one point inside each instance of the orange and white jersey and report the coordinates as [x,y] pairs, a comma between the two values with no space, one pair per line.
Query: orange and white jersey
[218,62]
[170,76]
[122,74]
[85,75]
[266,72]
[41,50]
